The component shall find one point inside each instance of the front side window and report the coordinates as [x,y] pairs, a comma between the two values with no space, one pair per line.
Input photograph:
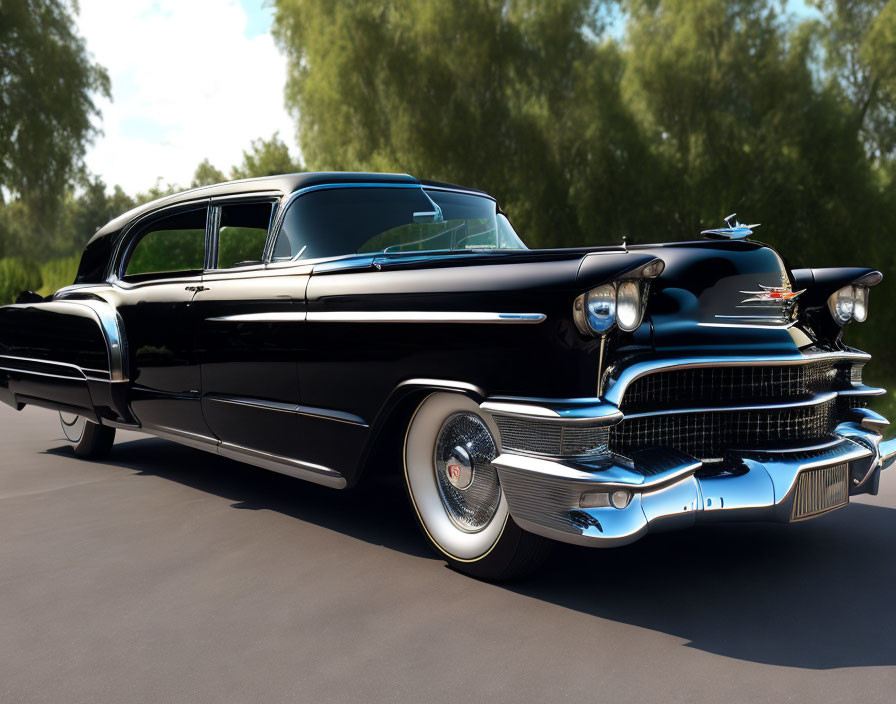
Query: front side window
[169,245]
[242,234]
[342,221]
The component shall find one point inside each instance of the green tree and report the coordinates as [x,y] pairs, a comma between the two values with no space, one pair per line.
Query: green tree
[266,157]
[858,43]
[206,174]
[48,84]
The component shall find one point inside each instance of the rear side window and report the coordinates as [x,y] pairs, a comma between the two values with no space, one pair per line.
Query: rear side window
[242,234]
[169,245]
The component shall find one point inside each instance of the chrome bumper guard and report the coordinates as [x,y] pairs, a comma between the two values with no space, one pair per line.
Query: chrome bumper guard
[666,489]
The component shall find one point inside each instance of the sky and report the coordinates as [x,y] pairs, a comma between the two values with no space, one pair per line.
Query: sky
[191,79]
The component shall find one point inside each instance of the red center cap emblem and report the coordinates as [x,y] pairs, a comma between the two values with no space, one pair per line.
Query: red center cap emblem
[453,471]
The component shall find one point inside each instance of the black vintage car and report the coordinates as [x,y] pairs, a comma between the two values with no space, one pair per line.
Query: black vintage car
[333,325]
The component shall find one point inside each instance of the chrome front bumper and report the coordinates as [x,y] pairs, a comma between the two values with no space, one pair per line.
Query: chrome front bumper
[672,490]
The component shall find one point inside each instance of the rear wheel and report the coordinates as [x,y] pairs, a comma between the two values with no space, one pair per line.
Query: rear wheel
[90,440]
[456,492]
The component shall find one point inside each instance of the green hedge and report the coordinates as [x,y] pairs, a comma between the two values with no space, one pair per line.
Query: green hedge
[17,275]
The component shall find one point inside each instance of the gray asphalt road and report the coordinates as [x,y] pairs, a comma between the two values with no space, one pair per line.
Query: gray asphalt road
[169,575]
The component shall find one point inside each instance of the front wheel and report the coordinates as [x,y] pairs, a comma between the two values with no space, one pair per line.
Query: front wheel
[456,493]
[90,440]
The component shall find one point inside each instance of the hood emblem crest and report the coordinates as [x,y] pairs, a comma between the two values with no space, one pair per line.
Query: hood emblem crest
[772,294]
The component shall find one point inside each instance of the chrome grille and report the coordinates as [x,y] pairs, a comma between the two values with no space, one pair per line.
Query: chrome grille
[720,385]
[551,438]
[820,490]
[708,434]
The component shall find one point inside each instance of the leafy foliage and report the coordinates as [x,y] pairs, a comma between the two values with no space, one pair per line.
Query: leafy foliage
[266,157]
[47,87]
[654,127]
[17,275]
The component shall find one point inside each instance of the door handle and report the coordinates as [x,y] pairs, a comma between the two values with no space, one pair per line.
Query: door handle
[197,289]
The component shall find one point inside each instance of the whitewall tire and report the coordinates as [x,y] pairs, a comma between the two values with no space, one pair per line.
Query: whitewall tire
[456,493]
[90,440]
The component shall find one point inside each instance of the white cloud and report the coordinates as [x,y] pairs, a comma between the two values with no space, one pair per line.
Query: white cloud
[187,84]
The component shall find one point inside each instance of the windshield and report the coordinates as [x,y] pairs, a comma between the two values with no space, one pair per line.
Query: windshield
[342,221]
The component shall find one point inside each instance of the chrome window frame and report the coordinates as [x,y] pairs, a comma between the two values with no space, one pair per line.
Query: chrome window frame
[130,236]
[287,201]
[213,227]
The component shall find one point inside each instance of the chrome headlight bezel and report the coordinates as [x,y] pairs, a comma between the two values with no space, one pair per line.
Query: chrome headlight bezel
[597,312]
[594,311]
[849,303]
[629,307]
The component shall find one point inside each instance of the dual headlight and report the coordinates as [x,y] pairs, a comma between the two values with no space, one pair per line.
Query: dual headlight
[619,303]
[849,303]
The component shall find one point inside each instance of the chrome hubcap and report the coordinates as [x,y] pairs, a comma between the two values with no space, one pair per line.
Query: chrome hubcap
[467,481]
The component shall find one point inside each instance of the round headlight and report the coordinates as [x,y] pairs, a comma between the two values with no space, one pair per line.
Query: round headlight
[842,304]
[595,311]
[628,305]
[860,307]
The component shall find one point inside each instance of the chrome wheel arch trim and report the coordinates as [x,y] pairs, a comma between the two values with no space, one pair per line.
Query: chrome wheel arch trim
[462,387]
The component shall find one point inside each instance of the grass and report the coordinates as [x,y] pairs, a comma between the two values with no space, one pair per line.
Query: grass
[56,273]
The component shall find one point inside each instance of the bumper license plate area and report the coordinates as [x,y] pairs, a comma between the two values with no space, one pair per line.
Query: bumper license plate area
[821,490]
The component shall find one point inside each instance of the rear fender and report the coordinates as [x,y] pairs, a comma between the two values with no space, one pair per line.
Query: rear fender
[68,355]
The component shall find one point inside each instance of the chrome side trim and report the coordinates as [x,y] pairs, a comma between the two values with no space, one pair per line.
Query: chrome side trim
[382,317]
[752,326]
[295,468]
[19,370]
[34,360]
[328,414]
[278,406]
[816,400]
[388,316]
[616,387]
[253,403]
[298,317]
[200,442]
[284,465]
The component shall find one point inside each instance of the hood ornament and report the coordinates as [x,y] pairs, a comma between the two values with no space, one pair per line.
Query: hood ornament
[737,231]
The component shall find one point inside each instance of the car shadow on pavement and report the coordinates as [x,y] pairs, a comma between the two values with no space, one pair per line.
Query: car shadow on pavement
[817,594]
[376,513]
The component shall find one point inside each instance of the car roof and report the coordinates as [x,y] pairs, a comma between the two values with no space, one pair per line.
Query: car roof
[285,183]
